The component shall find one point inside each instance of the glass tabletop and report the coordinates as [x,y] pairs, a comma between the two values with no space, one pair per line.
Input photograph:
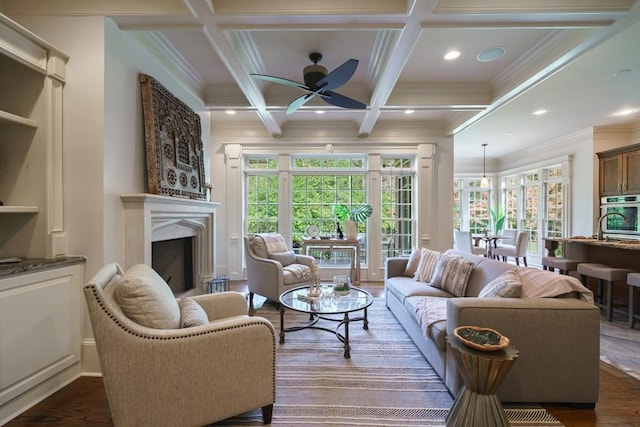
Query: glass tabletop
[328,303]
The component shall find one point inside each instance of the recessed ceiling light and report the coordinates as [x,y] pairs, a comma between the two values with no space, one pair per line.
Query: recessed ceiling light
[626,112]
[539,112]
[319,111]
[491,54]
[451,55]
[230,112]
[409,111]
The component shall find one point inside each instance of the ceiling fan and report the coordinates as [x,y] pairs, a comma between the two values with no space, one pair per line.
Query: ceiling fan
[318,82]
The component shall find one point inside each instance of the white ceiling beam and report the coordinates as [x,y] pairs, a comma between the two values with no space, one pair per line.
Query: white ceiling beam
[216,37]
[395,63]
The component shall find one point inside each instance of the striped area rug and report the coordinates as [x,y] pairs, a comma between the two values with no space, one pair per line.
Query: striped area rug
[386,382]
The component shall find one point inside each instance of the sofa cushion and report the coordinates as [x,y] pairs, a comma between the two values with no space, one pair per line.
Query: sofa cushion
[145,298]
[403,287]
[507,285]
[452,274]
[427,264]
[191,313]
[412,264]
[285,258]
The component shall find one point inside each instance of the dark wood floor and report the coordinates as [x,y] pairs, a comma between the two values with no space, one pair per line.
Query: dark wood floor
[83,402]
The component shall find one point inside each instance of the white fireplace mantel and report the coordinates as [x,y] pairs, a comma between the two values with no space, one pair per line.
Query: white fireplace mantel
[151,218]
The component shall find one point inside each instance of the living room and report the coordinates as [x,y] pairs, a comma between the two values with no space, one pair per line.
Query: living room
[104,152]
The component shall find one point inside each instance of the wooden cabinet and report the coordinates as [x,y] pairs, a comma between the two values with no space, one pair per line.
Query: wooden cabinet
[32,74]
[620,171]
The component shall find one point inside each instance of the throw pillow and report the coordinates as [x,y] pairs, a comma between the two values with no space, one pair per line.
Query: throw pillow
[452,274]
[426,267]
[145,298]
[285,258]
[412,264]
[507,285]
[191,313]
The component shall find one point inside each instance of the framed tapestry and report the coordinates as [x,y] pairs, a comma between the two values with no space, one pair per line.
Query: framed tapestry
[173,140]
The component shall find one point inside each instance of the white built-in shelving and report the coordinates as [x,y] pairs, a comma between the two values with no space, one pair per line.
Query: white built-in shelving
[32,78]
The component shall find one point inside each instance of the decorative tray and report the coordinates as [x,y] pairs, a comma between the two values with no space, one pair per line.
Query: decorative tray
[483,339]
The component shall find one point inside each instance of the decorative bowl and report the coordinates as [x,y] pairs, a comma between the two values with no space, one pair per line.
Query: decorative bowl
[483,339]
[341,293]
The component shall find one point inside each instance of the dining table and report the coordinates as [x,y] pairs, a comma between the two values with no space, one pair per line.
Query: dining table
[491,242]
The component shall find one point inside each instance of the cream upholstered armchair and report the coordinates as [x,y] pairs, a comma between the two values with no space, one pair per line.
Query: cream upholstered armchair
[159,372]
[272,268]
[464,242]
[518,250]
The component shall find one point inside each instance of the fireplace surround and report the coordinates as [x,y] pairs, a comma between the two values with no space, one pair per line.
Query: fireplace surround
[151,218]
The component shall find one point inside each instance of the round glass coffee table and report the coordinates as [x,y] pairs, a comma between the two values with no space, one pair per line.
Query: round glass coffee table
[327,304]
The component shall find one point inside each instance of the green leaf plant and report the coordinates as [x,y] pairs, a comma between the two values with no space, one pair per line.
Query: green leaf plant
[359,214]
[497,220]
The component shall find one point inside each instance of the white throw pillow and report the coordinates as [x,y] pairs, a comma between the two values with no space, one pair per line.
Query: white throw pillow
[507,285]
[427,265]
[191,313]
[452,274]
[145,298]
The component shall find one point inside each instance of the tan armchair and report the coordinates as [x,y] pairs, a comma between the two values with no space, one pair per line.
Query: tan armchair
[272,268]
[180,376]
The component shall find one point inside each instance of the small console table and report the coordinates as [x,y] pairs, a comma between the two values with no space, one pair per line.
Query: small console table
[351,247]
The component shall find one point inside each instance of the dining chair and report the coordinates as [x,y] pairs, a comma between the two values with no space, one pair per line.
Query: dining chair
[463,242]
[517,251]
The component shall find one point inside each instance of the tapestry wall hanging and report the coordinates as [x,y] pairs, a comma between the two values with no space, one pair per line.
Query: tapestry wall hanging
[173,140]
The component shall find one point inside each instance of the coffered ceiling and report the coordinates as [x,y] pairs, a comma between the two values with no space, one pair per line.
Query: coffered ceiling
[577,59]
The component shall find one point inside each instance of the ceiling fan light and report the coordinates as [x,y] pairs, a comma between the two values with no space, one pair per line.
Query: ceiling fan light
[312,74]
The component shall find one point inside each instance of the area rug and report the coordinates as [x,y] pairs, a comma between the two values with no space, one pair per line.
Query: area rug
[386,382]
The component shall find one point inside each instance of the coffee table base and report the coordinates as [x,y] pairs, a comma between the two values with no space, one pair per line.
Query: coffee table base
[313,320]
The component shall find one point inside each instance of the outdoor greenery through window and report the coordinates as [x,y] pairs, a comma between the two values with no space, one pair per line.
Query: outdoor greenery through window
[396,213]
[261,211]
[554,203]
[320,183]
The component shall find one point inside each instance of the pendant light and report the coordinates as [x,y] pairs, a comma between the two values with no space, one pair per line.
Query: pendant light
[484,182]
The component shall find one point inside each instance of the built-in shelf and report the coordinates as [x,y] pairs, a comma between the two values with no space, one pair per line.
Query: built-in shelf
[19,209]
[12,119]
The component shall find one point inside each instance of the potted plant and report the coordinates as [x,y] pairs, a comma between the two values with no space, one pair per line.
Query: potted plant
[352,217]
[497,220]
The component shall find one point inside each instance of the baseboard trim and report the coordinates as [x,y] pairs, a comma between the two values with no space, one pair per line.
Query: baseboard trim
[37,394]
[89,357]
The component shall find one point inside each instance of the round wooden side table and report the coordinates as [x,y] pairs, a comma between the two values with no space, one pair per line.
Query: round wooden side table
[482,373]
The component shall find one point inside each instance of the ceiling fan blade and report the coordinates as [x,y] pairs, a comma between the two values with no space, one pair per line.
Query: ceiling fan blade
[281,81]
[339,76]
[299,102]
[338,100]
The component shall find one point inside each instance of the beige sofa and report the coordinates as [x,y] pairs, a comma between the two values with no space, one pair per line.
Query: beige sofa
[558,338]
